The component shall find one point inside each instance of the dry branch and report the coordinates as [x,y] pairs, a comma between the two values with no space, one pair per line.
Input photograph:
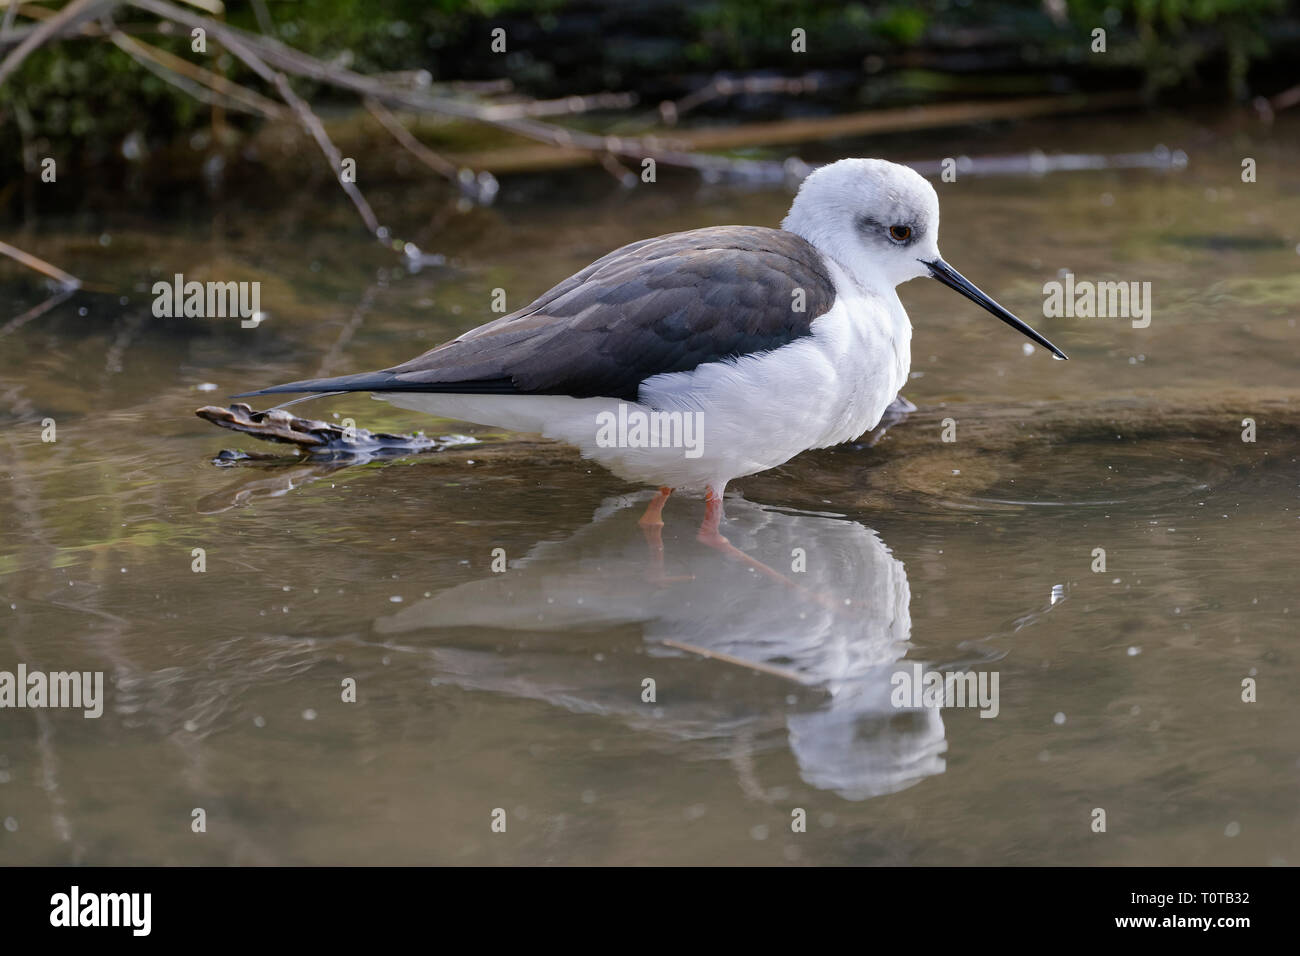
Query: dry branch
[233,95]
[403,136]
[64,279]
[313,126]
[724,86]
[276,54]
[10,13]
[1286,99]
[677,150]
[565,106]
[317,437]
[65,21]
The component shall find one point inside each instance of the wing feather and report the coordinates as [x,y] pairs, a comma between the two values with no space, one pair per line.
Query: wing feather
[667,304]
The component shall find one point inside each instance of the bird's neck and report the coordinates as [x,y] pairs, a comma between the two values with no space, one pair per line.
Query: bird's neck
[862,276]
[876,312]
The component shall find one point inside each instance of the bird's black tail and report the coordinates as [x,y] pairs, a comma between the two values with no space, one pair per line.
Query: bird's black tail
[388,381]
[361,382]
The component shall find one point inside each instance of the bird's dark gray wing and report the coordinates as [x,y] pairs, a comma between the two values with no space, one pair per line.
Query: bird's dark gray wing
[667,304]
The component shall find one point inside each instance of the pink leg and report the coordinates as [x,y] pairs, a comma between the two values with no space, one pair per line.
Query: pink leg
[710,535]
[654,511]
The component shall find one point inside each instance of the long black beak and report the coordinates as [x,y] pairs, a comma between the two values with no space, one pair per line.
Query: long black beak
[955,280]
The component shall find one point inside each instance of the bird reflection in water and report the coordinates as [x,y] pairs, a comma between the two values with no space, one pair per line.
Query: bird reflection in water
[819,655]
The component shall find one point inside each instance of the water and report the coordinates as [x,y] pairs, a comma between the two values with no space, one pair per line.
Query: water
[1119,690]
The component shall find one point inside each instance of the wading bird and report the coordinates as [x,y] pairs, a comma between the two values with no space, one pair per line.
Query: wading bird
[768,342]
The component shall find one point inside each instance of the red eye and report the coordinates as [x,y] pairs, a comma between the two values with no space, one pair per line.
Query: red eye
[900,233]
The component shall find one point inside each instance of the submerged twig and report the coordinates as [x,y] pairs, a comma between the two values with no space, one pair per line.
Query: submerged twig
[769,669]
[322,438]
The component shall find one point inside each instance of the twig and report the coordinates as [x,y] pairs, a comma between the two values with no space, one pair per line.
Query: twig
[480,87]
[1285,99]
[214,7]
[35,312]
[10,13]
[264,21]
[317,437]
[70,17]
[317,130]
[26,133]
[566,146]
[176,68]
[403,136]
[723,86]
[622,175]
[677,150]
[40,14]
[899,119]
[1039,164]
[274,53]
[313,125]
[567,105]
[774,671]
[66,280]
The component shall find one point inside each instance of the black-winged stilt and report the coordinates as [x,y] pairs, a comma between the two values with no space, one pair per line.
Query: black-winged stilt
[728,349]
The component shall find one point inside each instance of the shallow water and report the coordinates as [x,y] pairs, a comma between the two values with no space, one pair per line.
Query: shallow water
[1120,690]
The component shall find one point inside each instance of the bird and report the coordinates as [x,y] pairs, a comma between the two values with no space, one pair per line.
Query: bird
[689,360]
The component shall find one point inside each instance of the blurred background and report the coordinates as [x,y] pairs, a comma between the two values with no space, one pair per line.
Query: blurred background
[105,95]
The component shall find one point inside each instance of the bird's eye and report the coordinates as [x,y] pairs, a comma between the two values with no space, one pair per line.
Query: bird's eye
[900,233]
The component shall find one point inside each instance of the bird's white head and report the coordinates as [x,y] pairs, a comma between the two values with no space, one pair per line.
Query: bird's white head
[879,222]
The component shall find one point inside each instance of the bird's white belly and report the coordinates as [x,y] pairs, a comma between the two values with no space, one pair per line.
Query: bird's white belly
[725,419]
[760,411]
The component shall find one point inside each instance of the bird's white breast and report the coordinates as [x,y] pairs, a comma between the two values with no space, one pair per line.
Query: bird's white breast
[761,410]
